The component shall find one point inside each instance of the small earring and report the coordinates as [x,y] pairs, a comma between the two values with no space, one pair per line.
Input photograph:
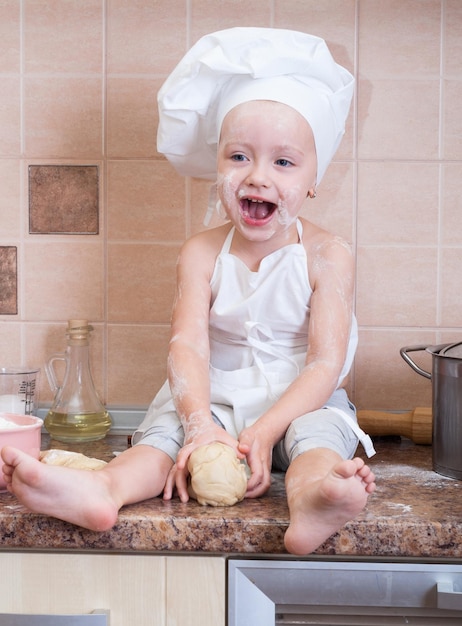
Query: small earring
[312,193]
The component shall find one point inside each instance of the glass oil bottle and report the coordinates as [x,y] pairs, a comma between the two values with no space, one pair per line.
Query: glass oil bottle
[77,414]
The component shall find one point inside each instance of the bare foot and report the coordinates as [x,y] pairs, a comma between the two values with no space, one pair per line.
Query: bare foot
[327,504]
[78,496]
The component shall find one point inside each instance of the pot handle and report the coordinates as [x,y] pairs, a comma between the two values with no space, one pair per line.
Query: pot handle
[404,353]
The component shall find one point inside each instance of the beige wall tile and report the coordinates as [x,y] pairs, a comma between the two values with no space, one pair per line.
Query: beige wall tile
[452,116]
[43,340]
[137,360]
[383,380]
[451,299]
[392,200]
[452,55]
[208,15]
[10,117]
[145,37]
[63,36]
[401,39]
[449,337]
[63,279]
[141,282]
[399,119]
[10,35]
[9,200]
[63,117]
[10,340]
[333,207]
[146,201]
[132,117]
[396,286]
[451,211]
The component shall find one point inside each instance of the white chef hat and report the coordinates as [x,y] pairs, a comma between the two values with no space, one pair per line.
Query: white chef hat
[236,65]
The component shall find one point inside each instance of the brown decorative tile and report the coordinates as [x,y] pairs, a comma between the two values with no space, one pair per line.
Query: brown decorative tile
[8,280]
[63,199]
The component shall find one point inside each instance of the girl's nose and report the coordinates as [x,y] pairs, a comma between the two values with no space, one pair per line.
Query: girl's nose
[258,175]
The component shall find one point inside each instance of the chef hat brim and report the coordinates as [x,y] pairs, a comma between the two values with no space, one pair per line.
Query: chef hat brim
[236,65]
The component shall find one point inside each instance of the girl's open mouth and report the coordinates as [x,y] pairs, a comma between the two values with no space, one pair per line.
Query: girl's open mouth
[256,211]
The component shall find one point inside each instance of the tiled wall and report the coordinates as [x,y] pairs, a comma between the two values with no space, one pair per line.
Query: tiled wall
[78,82]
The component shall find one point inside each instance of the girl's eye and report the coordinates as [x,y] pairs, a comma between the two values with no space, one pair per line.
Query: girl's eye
[283,163]
[238,157]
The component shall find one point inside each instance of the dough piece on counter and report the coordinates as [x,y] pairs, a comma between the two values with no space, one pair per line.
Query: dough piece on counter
[71,459]
[217,476]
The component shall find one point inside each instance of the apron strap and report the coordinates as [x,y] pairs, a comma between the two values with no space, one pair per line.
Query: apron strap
[365,440]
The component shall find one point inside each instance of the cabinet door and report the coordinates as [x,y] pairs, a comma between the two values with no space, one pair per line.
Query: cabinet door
[196,591]
[136,589]
[132,588]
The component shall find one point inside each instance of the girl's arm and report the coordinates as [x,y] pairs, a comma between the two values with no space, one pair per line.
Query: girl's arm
[188,359]
[331,272]
[189,355]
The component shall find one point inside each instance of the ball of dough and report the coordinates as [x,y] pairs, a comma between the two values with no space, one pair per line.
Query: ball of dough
[217,476]
[66,458]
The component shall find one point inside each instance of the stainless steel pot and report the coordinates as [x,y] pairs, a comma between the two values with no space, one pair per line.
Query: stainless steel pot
[446,377]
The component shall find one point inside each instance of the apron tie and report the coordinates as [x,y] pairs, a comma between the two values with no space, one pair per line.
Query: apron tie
[365,440]
[261,340]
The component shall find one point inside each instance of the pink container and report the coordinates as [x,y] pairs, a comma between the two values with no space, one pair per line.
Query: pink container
[23,432]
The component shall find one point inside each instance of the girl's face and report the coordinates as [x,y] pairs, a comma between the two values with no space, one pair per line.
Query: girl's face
[266,166]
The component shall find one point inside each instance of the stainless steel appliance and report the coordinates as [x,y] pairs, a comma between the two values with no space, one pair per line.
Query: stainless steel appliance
[319,592]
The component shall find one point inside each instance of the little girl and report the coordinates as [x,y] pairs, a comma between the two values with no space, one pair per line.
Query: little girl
[263,331]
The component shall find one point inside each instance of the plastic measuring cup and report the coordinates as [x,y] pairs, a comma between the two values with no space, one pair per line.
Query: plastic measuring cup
[19,390]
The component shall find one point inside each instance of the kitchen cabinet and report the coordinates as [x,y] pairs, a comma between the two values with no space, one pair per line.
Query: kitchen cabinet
[141,589]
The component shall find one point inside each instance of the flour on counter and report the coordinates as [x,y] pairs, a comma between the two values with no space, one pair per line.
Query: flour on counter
[403,508]
[395,470]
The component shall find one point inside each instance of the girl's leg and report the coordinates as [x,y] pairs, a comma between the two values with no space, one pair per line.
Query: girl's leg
[323,493]
[90,499]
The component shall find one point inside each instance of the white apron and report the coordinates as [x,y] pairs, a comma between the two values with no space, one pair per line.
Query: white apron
[258,336]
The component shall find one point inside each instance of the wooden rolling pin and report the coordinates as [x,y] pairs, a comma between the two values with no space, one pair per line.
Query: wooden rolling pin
[416,424]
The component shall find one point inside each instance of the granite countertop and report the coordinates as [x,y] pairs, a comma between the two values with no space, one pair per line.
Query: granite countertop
[414,513]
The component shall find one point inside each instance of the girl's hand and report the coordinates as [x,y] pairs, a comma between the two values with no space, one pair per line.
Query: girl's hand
[258,453]
[197,436]
[176,480]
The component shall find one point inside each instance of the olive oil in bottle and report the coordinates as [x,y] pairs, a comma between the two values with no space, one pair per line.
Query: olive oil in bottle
[77,414]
